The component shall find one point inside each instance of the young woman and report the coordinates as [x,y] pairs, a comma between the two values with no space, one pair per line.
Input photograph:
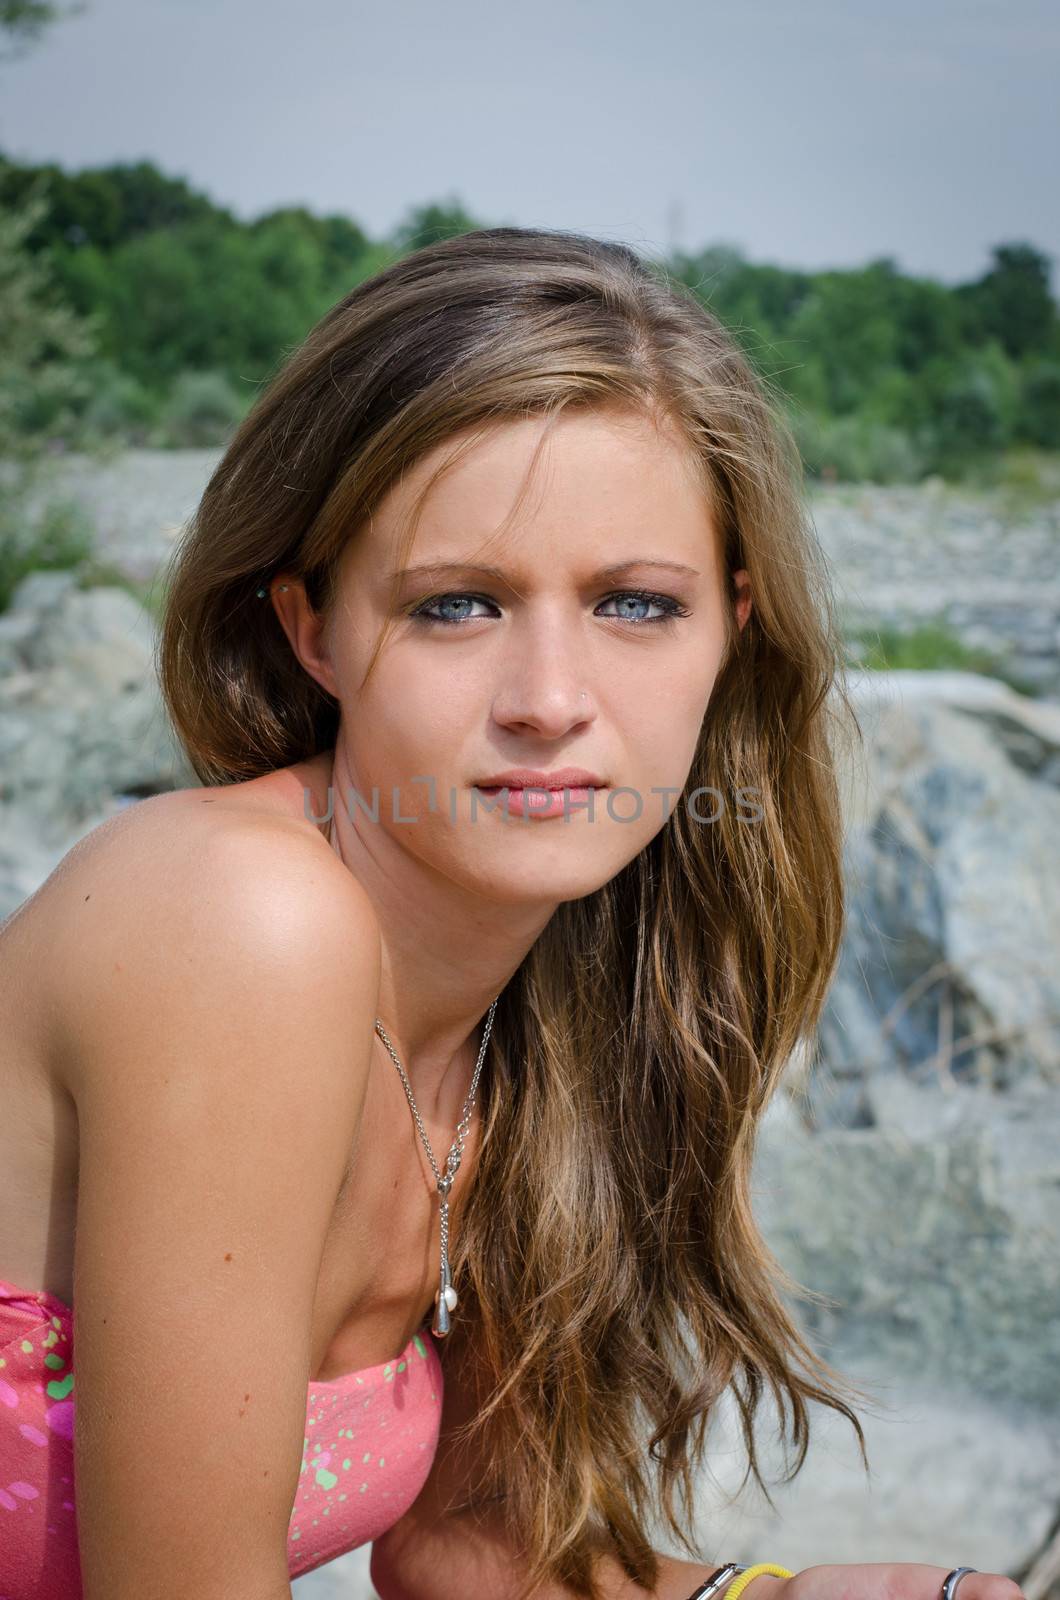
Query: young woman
[500,645]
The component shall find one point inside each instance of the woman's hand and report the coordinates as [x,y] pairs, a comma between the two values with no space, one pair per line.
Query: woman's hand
[885,1580]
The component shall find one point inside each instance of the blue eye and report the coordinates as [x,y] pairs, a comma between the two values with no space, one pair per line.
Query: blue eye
[456,599]
[641,597]
[423,611]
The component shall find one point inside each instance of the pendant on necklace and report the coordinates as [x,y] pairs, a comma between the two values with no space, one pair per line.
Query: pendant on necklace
[446,1298]
[444,1302]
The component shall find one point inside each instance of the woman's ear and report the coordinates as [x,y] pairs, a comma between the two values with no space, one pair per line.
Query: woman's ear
[304,628]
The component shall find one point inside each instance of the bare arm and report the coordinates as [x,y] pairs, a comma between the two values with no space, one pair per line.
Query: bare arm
[219,1081]
[466,1554]
[451,1543]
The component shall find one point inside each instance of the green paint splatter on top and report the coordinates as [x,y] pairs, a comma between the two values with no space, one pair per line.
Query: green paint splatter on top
[346,1465]
[54,1362]
[325,1479]
[59,1389]
[401,1366]
[27,1347]
[420,1346]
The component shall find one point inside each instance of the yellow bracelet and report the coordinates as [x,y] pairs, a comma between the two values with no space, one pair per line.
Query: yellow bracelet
[737,1588]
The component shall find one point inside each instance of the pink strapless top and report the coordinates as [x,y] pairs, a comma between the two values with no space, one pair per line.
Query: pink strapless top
[369,1443]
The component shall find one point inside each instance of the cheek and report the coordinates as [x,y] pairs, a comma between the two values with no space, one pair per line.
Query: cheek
[689,695]
[662,719]
[410,725]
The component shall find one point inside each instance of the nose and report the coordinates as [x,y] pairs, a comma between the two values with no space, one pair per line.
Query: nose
[543,693]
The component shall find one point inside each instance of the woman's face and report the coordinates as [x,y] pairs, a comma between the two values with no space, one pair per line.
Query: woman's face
[592,642]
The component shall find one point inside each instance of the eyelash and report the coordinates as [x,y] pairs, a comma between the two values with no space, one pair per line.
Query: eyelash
[673,608]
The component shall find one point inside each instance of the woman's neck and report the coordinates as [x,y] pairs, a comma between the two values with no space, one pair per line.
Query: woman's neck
[446,955]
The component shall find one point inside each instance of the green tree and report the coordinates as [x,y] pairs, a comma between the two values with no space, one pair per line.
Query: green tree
[884,374]
[104,206]
[975,409]
[42,388]
[1012,302]
[338,243]
[757,304]
[41,385]
[208,296]
[1039,411]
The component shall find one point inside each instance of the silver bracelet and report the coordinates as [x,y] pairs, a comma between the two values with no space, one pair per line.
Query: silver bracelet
[721,1580]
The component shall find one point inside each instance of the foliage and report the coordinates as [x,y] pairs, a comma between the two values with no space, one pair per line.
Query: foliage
[886,377]
[921,646]
[856,448]
[43,391]
[119,405]
[1012,303]
[59,539]
[1027,481]
[208,293]
[41,388]
[1039,418]
[890,376]
[104,206]
[200,408]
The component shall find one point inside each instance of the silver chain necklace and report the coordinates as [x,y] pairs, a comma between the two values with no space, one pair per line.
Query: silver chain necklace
[445,1300]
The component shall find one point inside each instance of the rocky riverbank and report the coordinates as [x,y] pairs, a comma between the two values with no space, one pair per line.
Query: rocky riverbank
[976,565]
[984,567]
[910,1171]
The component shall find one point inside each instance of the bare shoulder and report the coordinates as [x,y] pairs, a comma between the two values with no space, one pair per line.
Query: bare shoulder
[222,982]
[191,893]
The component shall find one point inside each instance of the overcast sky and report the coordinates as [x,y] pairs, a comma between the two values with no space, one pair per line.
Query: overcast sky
[812,134]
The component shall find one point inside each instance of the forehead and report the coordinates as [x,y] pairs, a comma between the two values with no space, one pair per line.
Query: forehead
[588,478]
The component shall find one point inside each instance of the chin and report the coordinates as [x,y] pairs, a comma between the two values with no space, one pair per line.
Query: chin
[544,882]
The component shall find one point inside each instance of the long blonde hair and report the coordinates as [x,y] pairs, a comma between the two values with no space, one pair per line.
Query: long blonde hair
[612,1280]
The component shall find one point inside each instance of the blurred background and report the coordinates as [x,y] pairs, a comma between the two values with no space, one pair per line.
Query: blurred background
[862,195]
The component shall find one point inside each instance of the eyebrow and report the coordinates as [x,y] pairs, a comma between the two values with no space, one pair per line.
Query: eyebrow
[614,570]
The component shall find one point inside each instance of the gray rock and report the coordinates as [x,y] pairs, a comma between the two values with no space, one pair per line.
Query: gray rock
[40,593]
[950,969]
[82,723]
[913,1181]
[955,1480]
[935,1233]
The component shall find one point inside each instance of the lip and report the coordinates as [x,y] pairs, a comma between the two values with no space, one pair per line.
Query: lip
[528,777]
